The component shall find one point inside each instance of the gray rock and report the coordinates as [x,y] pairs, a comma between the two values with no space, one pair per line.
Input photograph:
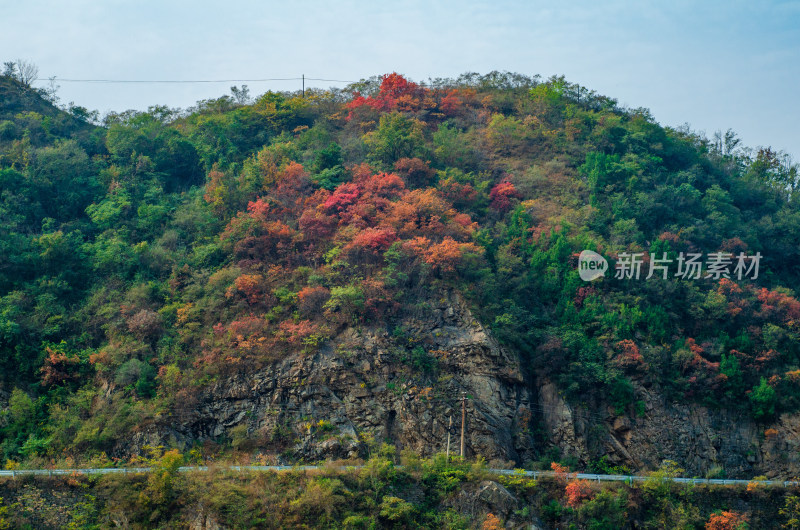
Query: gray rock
[373,394]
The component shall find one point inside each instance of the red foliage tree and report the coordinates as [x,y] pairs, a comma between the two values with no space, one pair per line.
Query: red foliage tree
[312,299]
[374,239]
[258,209]
[443,256]
[275,242]
[416,172]
[698,362]
[396,93]
[459,194]
[379,301]
[145,324]
[293,185]
[250,285]
[629,356]
[582,294]
[342,198]
[59,367]
[779,305]
[316,224]
[451,104]
[501,196]
[235,342]
[576,492]
[386,185]
[294,332]
[492,522]
[562,472]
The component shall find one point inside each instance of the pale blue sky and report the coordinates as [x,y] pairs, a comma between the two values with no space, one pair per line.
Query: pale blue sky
[713,64]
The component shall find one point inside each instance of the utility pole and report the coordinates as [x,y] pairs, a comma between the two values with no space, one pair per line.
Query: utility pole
[463,419]
[449,428]
[304,85]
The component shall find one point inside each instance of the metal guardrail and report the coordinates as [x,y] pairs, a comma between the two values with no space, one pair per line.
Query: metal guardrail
[639,478]
[630,479]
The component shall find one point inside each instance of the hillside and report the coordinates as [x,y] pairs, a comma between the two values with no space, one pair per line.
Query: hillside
[420,494]
[292,277]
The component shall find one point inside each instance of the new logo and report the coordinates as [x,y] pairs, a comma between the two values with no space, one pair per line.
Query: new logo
[591,265]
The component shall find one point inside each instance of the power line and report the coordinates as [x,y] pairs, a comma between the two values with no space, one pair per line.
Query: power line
[187,81]
[331,80]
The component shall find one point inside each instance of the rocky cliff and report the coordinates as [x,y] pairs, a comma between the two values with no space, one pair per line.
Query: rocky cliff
[365,385]
[362,386]
[696,437]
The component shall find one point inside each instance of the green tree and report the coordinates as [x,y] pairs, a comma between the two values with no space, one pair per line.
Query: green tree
[396,137]
[762,400]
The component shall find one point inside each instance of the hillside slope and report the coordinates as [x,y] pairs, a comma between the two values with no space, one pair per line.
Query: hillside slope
[295,277]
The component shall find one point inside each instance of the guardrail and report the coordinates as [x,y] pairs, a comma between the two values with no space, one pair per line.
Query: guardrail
[630,479]
[640,478]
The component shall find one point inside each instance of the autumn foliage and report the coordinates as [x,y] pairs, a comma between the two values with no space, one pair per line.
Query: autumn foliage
[502,196]
[576,492]
[727,520]
[396,93]
[170,250]
[59,367]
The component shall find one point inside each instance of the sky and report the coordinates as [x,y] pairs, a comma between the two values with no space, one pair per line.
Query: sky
[715,65]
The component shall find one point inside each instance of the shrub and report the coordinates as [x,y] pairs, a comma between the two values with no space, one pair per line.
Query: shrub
[576,492]
[729,520]
[396,510]
[762,400]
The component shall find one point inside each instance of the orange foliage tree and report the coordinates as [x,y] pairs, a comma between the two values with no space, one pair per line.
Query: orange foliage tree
[728,520]
[577,491]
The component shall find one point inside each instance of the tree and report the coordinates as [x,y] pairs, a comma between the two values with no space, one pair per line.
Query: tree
[492,522]
[396,510]
[10,69]
[348,300]
[59,367]
[22,410]
[502,196]
[791,511]
[416,172]
[162,478]
[241,95]
[395,93]
[577,491]
[727,520]
[23,71]
[328,168]
[396,137]
[145,324]
[312,299]
[763,399]
[26,72]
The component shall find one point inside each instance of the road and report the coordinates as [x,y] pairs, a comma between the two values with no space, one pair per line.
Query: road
[630,479]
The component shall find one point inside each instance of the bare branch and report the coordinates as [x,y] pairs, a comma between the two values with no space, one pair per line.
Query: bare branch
[26,72]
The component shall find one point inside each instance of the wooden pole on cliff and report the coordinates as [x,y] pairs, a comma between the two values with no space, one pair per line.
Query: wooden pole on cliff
[463,419]
[449,428]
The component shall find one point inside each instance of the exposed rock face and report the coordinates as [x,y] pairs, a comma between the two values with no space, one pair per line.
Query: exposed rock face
[322,405]
[696,437]
[360,386]
[488,497]
[201,520]
[492,497]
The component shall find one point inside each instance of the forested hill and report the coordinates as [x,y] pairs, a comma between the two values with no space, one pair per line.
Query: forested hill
[152,256]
